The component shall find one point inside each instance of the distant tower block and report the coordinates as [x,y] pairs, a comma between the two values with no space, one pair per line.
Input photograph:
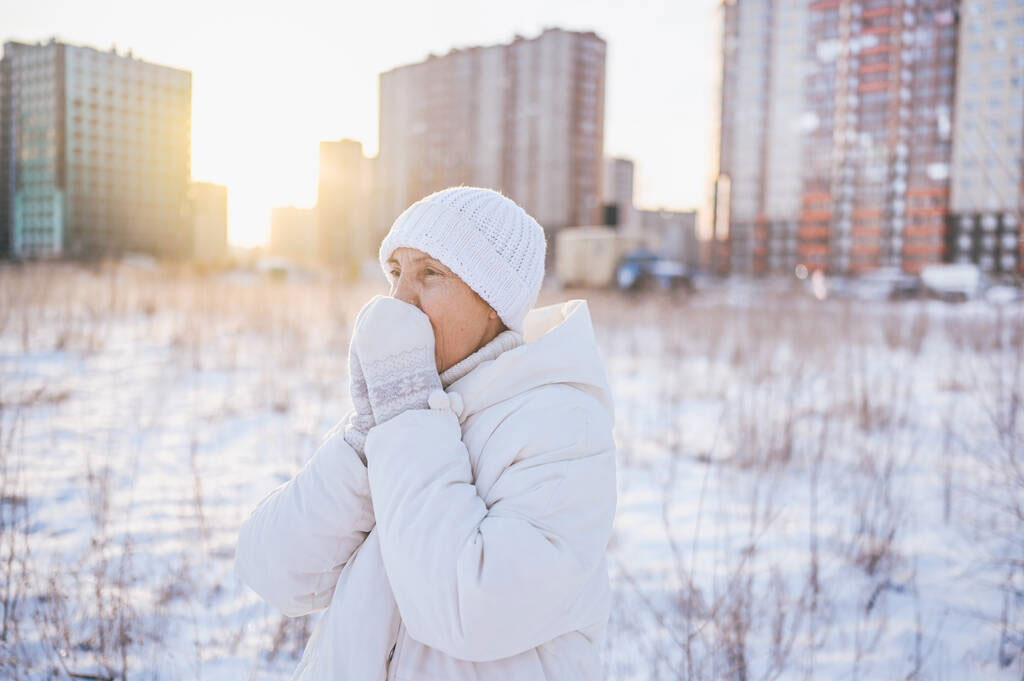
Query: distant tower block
[525,118]
[95,153]
[346,218]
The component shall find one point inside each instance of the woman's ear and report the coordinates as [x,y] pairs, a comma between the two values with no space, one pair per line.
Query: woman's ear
[492,316]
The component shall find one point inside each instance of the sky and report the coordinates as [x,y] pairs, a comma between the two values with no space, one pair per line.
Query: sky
[272,79]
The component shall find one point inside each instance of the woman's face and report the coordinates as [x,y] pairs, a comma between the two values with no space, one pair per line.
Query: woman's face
[463,322]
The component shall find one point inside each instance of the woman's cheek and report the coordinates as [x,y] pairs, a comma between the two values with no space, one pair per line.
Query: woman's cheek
[441,349]
[440,342]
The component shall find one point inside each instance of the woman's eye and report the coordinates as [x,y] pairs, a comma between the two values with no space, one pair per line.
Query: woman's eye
[395,273]
[430,271]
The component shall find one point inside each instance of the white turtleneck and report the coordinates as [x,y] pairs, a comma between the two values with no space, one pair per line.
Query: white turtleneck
[506,340]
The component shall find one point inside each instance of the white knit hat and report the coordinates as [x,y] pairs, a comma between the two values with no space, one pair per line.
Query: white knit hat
[485,238]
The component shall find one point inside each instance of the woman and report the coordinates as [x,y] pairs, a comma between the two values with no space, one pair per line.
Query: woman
[455,523]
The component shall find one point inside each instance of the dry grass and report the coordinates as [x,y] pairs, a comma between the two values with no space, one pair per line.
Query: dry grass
[787,442]
[834,400]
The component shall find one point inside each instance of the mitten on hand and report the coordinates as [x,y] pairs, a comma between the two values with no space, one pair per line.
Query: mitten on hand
[360,419]
[394,343]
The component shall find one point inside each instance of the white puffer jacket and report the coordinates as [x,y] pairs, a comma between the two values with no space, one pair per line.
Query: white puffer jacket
[473,544]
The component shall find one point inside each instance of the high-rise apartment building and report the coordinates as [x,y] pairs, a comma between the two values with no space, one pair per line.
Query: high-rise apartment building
[345,207]
[525,118]
[95,152]
[843,139]
[209,208]
[987,174]
[293,234]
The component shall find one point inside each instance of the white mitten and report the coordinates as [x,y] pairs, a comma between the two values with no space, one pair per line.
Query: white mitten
[360,419]
[394,343]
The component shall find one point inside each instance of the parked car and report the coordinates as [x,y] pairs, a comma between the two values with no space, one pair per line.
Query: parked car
[953,282]
[907,287]
[885,283]
[1003,293]
[642,268]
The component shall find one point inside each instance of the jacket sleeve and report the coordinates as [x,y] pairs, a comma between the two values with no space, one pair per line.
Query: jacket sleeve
[486,582]
[293,546]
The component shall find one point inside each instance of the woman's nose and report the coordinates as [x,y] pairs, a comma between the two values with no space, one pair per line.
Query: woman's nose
[406,292]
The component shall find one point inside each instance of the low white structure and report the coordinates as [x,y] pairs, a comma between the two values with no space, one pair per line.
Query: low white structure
[958,280]
[589,256]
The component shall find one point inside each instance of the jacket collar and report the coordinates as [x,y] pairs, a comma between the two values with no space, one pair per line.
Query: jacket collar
[504,341]
[560,348]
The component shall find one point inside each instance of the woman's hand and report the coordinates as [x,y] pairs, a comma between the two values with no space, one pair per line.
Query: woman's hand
[393,342]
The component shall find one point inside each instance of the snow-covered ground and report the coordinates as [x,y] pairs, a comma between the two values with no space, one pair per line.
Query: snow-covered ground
[807,489]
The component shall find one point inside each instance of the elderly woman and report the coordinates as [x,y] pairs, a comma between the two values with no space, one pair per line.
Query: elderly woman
[454,524]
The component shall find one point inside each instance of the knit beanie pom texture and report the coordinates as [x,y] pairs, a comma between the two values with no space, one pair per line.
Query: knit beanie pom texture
[485,238]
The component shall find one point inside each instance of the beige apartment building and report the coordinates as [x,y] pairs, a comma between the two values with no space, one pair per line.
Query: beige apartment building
[525,118]
[94,153]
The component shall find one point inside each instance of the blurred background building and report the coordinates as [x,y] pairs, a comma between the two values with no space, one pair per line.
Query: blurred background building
[590,255]
[293,234]
[849,135]
[671,234]
[95,150]
[617,193]
[209,204]
[346,210]
[525,118]
[988,129]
